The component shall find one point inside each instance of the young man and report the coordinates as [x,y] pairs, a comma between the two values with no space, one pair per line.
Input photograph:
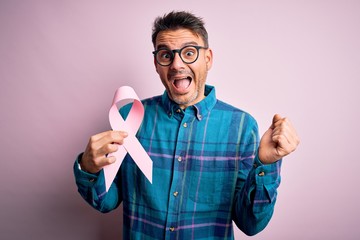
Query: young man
[208,166]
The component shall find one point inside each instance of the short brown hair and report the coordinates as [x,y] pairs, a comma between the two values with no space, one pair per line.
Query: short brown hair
[177,20]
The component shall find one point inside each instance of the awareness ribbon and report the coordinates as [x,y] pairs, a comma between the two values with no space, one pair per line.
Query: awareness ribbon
[131,144]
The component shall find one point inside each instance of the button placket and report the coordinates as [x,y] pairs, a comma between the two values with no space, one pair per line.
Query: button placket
[175,194]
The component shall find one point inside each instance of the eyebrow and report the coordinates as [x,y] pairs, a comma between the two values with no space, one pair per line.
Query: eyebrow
[183,45]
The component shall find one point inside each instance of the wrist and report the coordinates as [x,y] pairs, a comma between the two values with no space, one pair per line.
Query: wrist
[80,163]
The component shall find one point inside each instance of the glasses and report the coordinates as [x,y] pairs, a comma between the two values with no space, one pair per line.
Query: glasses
[188,54]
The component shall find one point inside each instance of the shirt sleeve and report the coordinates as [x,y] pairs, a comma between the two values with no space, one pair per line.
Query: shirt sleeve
[92,188]
[256,188]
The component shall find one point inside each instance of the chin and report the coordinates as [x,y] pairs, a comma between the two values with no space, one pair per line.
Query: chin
[185,100]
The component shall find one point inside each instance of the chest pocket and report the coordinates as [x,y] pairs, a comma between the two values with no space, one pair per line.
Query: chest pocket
[213,184]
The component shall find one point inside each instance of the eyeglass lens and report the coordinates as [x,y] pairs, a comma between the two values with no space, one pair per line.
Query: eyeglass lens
[188,54]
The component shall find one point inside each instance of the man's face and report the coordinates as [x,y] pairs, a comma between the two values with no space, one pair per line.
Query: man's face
[185,83]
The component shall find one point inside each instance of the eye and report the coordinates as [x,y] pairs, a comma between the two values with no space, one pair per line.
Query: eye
[164,54]
[189,52]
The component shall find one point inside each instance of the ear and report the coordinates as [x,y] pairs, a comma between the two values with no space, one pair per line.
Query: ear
[208,58]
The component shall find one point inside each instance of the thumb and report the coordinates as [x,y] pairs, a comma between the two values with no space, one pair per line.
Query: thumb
[276,118]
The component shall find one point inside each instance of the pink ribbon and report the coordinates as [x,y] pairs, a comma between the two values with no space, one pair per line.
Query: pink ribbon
[131,144]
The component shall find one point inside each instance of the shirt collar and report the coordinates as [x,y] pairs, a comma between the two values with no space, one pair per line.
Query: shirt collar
[200,109]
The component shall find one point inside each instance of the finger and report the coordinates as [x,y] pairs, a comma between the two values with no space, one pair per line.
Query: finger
[283,148]
[98,136]
[286,127]
[107,161]
[286,142]
[112,137]
[288,131]
[284,122]
[281,122]
[276,118]
[107,148]
[283,129]
[281,138]
[98,147]
[101,162]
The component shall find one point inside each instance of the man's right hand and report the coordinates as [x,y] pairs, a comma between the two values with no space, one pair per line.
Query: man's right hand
[95,155]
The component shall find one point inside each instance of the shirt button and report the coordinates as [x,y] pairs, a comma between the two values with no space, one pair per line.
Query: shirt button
[262,174]
[170,114]
[178,110]
[200,117]
[92,180]
[179,158]
[171,229]
[185,125]
[175,194]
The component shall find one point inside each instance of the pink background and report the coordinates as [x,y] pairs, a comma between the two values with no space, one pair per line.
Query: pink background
[61,62]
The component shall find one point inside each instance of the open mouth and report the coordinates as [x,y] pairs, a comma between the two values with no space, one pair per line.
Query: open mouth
[182,83]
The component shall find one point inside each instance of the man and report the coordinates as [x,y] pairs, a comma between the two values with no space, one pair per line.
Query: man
[208,166]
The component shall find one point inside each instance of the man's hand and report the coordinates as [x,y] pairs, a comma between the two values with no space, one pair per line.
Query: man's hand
[278,141]
[95,155]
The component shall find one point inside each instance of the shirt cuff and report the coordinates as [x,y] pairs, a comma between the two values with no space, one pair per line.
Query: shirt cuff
[266,173]
[82,177]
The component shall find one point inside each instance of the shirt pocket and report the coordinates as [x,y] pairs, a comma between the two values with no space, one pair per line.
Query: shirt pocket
[212,186]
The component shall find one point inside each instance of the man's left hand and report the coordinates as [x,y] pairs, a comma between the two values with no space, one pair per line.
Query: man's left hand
[278,141]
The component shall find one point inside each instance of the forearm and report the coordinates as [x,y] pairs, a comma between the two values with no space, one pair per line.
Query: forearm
[255,201]
[92,188]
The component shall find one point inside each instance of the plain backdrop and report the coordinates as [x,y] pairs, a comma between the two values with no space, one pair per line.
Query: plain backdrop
[61,62]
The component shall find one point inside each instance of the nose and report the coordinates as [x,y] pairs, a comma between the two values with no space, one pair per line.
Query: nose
[177,62]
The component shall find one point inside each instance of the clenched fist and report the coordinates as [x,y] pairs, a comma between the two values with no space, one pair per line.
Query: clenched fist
[278,141]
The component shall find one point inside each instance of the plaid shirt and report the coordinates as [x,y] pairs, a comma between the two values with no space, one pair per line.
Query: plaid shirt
[206,173]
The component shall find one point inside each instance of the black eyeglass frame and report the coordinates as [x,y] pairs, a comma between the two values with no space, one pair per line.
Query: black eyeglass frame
[179,52]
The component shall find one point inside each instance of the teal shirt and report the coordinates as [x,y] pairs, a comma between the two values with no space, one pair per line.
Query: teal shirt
[206,174]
